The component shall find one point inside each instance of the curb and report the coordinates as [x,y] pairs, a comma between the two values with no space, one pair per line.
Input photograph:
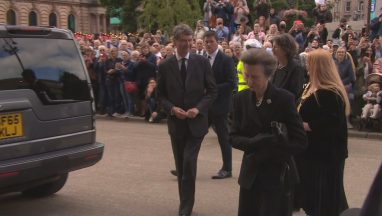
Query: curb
[364,134]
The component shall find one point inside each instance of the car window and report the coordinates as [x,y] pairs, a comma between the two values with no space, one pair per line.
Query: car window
[50,67]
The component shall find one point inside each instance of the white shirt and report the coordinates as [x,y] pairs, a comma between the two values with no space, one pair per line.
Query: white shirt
[200,52]
[179,59]
[212,56]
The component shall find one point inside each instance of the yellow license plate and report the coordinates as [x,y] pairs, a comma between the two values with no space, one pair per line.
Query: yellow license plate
[11,125]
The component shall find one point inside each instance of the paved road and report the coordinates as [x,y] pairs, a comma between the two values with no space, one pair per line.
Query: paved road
[133,178]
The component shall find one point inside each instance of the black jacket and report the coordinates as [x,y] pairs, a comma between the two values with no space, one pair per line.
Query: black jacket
[264,156]
[198,91]
[325,114]
[224,73]
[291,78]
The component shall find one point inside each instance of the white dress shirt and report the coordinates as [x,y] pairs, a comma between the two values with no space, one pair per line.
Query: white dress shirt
[179,59]
[212,56]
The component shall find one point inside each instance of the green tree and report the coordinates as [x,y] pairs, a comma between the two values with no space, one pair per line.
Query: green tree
[126,10]
[165,14]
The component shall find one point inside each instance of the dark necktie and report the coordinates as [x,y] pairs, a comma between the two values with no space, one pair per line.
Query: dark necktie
[183,69]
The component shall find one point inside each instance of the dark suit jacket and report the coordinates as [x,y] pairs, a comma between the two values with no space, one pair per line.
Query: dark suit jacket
[198,91]
[264,155]
[224,73]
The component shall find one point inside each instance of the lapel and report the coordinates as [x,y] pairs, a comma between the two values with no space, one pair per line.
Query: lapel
[264,113]
[267,105]
[175,69]
[289,70]
[217,61]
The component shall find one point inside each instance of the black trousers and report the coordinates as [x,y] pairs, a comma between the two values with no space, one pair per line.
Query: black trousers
[264,199]
[186,150]
[221,128]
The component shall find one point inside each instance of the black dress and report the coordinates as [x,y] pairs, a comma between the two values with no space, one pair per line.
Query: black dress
[322,164]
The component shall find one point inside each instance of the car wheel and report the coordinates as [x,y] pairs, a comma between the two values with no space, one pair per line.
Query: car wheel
[48,188]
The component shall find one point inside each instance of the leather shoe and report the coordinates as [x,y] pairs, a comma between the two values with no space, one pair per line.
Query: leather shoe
[222,174]
[174,172]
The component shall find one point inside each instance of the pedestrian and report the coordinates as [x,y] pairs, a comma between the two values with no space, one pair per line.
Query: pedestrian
[324,107]
[187,89]
[347,74]
[289,74]
[267,127]
[224,72]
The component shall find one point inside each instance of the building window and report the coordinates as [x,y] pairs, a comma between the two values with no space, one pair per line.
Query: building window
[32,18]
[72,23]
[53,19]
[360,6]
[11,17]
[347,6]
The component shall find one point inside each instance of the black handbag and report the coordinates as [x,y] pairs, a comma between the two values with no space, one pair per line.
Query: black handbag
[290,175]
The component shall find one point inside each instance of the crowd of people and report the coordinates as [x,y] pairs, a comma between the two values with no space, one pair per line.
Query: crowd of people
[121,65]
[292,94]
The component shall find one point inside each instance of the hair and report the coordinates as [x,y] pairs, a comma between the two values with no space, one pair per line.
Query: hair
[341,48]
[287,43]
[135,52]
[371,85]
[102,47]
[210,33]
[262,57]
[180,30]
[324,75]
[124,52]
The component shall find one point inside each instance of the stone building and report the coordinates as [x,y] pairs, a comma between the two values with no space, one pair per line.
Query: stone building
[353,10]
[86,16]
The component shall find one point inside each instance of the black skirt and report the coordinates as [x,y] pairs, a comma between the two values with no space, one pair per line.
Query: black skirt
[323,188]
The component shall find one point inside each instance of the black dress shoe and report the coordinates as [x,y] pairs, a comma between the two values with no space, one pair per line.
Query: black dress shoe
[222,174]
[174,172]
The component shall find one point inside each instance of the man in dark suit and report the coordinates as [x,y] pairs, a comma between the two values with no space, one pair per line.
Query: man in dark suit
[224,71]
[187,89]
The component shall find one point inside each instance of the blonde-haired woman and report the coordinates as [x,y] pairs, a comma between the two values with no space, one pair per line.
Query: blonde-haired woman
[324,108]
[273,31]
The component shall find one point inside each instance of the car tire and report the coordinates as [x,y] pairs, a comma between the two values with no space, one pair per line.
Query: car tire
[48,188]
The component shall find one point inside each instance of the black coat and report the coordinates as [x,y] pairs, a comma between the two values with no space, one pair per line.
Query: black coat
[199,91]
[325,114]
[264,156]
[224,73]
[290,78]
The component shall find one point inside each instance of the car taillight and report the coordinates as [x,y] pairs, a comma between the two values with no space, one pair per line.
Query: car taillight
[9,174]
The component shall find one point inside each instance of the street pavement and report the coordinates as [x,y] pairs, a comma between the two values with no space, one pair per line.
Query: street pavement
[133,178]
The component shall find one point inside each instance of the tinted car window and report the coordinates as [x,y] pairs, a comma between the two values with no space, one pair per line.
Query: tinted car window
[50,67]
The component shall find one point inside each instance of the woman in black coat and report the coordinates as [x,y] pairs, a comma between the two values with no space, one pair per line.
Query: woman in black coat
[323,108]
[267,127]
[289,74]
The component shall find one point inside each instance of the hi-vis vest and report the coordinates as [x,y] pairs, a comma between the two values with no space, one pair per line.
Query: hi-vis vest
[242,84]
